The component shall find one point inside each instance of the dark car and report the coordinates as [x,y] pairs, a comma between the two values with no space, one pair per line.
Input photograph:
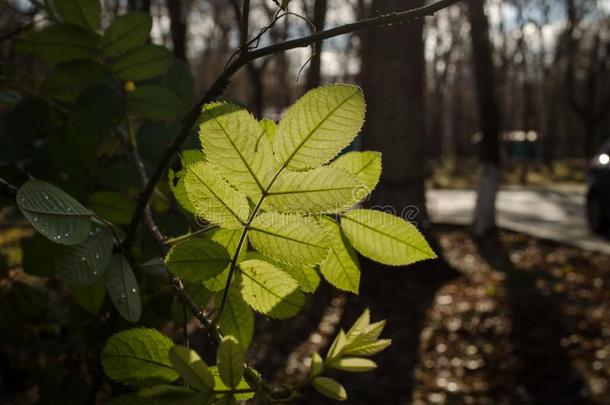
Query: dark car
[598,197]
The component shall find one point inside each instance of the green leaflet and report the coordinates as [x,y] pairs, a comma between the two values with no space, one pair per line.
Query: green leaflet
[354,364]
[269,127]
[235,143]
[228,238]
[155,103]
[176,178]
[269,290]
[385,238]
[237,319]
[123,288]
[220,386]
[322,190]
[112,206]
[366,166]
[85,13]
[213,198]
[319,125]
[341,267]
[197,259]
[70,79]
[138,356]
[230,362]
[96,112]
[61,43]
[192,369]
[90,297]
[126,32]
[144,62]
[330,388]
[288,238]
[307,276]
[54,213]
[84,263]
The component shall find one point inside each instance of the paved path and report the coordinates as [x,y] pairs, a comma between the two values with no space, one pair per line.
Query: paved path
[557,215]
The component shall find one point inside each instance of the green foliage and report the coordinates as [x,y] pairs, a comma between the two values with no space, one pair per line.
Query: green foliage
[143,62]
[155,103]
[191,368]
[61,43]
[237,320]
[330,388]
[85,13]
[138,356]
[197,259]
[123,288]
[126,32]
[230,362]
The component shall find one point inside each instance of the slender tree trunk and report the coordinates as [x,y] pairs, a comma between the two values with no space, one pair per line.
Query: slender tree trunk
[489,171]
[139,5]
[319,18]
[177,27]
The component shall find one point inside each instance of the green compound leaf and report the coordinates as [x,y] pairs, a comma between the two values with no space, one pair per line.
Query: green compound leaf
[237,319]
[138,356]
[230,362]
[341,267]
[197,259]
[176,178]
[61,43]
[155,103]
[70,79]
[229,238]
[322,190]
[385,238]
[85,13]
[53,213]
[236,144]
[354,364]
[86,262]
[366,166]
[289,238]
[319,125]
[192,368]
[143,62]
[126,32]
[213,198]
[123,288]
[330,388]
[270,290]
[115,207]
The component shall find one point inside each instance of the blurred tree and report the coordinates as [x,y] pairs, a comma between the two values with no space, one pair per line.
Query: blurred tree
[318,19]
[178,10]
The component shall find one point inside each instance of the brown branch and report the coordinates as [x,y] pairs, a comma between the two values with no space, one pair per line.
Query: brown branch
[245,57]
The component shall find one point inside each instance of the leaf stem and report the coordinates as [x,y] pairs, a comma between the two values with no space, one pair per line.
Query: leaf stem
[172,241]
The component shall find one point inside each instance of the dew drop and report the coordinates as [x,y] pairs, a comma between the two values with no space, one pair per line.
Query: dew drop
[46,197]
[82,259]
[66,235]
[97,256]
[58,237]
[35,219]
[133,290]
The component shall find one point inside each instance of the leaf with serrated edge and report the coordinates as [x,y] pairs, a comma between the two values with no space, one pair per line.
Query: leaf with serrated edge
[191,368]
[85,13]
[84,263]
[288,238]
[230,362]
[138,356]
[213,198]
[269,290]
[341,267]
[144,62]
[197,259]
[354,364]
[53,213]
[235,142]
[176,178]
[385,238]
[366,166]
[126,32]
[237,319]
[307,276]
[330,388]
[123,288]
[319,125]
[322,190]
[228,238]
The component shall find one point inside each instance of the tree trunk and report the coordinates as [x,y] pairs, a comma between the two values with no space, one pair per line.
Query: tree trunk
[319,18]
[489,173]
[177,27]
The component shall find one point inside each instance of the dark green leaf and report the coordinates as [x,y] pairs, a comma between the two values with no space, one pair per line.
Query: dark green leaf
[123,288]
[153,102]
[96,112]
[113,206]
[54,213]
[126,32]
[197,259]
[237,319]
[192,369]
[144,62]
[85,13]
[230,361]
[70,79]
[61,43]
[84,263]
[91,297]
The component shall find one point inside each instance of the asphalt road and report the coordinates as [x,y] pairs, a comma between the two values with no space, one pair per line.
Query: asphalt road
[557,215]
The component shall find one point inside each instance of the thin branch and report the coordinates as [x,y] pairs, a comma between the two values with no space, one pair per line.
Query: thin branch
[223,80]
[245,19]
[8,189]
